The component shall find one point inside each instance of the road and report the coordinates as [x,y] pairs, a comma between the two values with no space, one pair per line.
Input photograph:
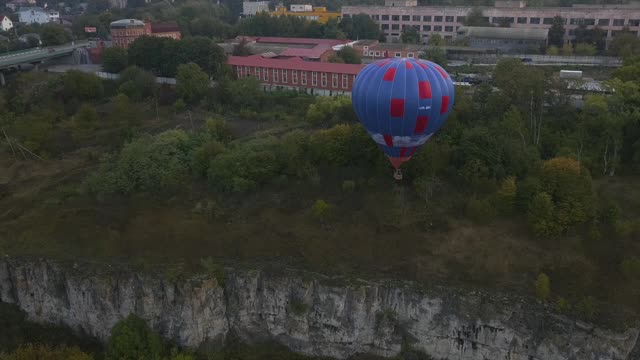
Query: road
[33,55]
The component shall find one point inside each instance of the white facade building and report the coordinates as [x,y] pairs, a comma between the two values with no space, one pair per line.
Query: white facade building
[301,8]
[250,8]
[32,15]
[6,24]
[54,15]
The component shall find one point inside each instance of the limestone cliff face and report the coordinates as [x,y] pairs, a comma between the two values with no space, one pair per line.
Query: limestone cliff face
[309,316]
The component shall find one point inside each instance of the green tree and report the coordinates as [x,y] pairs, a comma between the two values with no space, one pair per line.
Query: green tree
[136,83]
[54,34]
[552,50]
[114,60]
[629,71]
[132,339]
[84,121]
[556,32]
[625,45]
[349,55]
[543,287]
[44,352]
[192,83]
[436,40]
[475,17]
[570,188]
[82,86]
[435,54]
[241,49]
[567,49]
[410,35]
[583,49]
[331,110]
[594,36]
[152,164]
[541,216]
[147,53]
[360,26]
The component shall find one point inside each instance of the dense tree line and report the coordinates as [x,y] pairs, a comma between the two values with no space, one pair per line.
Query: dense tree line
[162,56]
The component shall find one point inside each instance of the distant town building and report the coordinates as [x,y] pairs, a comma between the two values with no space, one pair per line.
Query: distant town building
[54,15]
[371,50]
[250,8]
[5,23]
[169,29]
[319,14]
[36,15]
[296,74]
[126,31]
[446,20]
[17,4]
[400,2]
[506,40]
[319,50]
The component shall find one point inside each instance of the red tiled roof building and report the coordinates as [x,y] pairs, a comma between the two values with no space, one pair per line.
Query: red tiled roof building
[124,32]
[317,78]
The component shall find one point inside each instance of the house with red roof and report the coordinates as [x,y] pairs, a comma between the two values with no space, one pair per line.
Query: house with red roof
[294,73]
[5,23]
[305,48]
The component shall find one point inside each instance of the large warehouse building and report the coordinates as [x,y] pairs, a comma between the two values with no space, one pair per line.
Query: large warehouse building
[446,20]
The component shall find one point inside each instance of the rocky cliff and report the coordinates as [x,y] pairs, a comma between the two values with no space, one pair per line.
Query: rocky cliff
[306,313]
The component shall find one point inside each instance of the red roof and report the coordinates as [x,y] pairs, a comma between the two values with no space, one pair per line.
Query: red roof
[257,60]
[171,26]
[313,53]
[2,17]
[291,41]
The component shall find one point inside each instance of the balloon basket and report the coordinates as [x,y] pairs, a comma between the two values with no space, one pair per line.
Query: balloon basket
[397,174]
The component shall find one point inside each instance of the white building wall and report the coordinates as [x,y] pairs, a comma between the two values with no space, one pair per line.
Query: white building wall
[33,16]
[250,8]
[6,24]
[445,20]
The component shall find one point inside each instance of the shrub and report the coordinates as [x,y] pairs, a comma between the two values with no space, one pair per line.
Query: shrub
[44,352]
[321,209]
[132,339]
[348,185]
[543,287]
[630,267]
[480,210]
[84,121]
[148,164]
[506,195]
[562,305]
[217,129]
[587,307]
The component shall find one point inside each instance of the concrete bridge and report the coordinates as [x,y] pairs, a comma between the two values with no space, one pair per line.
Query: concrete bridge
[14,60]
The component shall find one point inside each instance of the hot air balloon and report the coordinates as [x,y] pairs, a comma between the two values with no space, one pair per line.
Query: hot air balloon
[402,102]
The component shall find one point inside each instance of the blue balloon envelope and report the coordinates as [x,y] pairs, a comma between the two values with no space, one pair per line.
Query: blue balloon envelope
[402,102]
